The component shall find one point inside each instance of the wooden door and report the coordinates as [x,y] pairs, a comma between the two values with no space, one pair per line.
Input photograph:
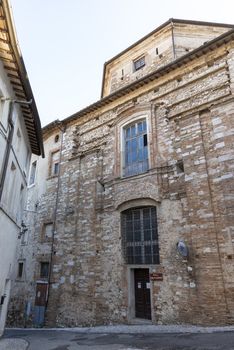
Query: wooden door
[142,293]
[41,294]
[40,304]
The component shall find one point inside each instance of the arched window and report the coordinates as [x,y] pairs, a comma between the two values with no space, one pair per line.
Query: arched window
[140,235]
[135,146]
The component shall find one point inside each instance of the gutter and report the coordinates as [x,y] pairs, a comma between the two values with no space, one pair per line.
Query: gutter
[7,149]
[62,130]
[103,79]
[173,40]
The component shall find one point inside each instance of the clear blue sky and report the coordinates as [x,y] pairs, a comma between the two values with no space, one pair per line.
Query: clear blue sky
[66,42]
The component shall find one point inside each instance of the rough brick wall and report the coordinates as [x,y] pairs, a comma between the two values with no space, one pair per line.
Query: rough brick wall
[190,118]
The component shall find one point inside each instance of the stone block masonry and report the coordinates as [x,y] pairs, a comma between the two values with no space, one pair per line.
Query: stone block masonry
[189,113]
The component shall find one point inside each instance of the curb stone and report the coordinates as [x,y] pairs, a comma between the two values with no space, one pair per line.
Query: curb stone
[13,344]
[137,329]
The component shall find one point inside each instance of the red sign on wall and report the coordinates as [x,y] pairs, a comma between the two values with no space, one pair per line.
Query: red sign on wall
[156,276]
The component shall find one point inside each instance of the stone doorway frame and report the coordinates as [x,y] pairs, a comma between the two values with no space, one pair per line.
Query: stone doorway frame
[131,295]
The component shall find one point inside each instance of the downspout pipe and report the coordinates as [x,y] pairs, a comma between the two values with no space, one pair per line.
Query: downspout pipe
[7,149]
[9,140]
[173,39]
[62,130]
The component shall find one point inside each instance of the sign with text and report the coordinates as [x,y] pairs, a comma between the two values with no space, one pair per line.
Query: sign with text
[156,276]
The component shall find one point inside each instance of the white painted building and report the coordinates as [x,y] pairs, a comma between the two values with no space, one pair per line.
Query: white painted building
[20,136]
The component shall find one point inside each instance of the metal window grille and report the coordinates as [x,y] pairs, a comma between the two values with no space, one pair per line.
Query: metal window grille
[135,148]
[140,236]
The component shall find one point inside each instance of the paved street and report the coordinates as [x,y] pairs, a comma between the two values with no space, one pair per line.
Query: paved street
[128,339]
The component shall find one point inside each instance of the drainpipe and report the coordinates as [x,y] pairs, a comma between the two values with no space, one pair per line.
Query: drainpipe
[173,40]
[7,150]
[62,130]
[9,140]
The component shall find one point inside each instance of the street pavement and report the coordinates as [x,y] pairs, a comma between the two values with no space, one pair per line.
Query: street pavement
[145,337]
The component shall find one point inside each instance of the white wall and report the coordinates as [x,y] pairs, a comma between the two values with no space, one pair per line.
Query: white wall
[14,189]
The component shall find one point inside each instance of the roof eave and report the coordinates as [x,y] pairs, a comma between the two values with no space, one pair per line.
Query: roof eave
[23,75]
[169,21]
[222,39]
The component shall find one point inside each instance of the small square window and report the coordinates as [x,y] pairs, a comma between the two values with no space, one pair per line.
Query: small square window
[139,63]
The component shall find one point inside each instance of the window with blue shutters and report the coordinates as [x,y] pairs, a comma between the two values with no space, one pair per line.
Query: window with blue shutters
[135,148]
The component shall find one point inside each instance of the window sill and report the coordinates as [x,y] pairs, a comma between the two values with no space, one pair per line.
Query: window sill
[45,240]
[134,175]
[32,185]
[23,244]
[138,69]
[43,279]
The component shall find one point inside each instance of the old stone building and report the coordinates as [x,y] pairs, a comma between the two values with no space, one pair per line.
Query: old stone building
[130,214]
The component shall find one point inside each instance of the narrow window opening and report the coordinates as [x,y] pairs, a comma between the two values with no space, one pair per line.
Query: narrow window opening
[44,269]
[20,269]
[13,167]
[47,231]
[33,173]
[56,168]
[56,139]
[54,163]
[24,237]
[27,162]
[180,166]
[156,51]
[18,142]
